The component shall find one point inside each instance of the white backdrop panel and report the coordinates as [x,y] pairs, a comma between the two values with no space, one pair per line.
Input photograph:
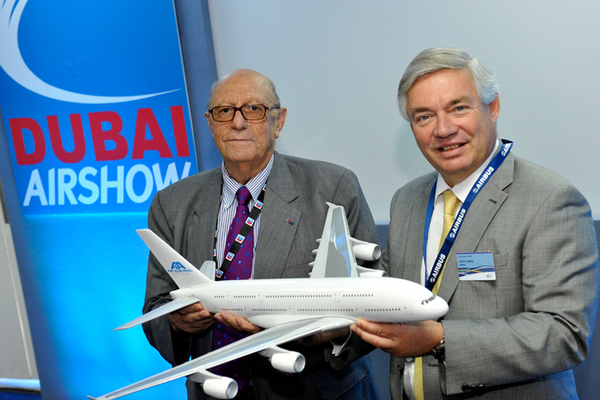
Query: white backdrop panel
[337,64]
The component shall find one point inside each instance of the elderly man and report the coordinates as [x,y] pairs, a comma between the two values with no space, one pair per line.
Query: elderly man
[195,214]
[518,265]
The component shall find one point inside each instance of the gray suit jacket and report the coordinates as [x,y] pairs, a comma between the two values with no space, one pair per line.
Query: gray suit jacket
[185,216]
[517,337]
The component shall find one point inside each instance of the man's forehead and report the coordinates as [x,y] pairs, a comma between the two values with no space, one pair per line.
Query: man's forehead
[449,86]
[244,89]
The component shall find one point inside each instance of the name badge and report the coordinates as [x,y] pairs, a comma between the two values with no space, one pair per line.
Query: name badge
[476,266]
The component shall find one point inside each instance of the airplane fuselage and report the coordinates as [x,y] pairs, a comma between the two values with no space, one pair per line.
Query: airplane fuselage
[269,302]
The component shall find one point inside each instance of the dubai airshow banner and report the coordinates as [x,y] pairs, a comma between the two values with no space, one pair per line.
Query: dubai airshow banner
[100,124]
[95,108]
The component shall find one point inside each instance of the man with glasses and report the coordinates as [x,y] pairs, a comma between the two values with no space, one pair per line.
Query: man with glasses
[288,196]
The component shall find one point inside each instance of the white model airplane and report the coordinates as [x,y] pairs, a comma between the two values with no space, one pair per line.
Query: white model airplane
[338,292]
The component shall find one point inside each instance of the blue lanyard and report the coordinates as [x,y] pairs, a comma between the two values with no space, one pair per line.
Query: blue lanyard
[449,241]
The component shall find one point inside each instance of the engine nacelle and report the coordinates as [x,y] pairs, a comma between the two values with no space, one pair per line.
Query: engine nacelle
[220,387]
[365,250]
[292,362]
[285,360]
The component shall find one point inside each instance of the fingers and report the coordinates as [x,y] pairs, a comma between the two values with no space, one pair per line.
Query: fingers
[237,322]
[195,318]
[373,333]
[401,340]
[190,324]
[191,319]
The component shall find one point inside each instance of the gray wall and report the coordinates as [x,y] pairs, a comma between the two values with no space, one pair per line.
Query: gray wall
[337,64]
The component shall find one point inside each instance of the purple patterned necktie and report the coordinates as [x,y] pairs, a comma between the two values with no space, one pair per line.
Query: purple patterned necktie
[241,265]
[240,268]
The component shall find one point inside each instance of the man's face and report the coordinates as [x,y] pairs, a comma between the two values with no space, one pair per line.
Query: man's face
[242,142]
[455,132]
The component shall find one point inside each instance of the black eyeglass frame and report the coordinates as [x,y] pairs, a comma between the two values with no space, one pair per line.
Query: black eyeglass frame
[236,109]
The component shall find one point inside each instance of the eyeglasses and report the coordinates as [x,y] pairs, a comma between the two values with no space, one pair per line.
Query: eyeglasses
[250,112]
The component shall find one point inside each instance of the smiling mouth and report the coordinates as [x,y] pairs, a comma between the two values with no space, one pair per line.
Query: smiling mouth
[447,148]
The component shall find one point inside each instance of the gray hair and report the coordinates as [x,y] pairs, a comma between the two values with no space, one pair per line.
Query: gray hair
[435,59]
[263,80]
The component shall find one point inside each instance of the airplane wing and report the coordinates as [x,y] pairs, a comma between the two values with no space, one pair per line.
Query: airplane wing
[160,311]
[258,342]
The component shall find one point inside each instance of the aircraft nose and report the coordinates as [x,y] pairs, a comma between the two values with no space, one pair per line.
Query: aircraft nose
[441,307]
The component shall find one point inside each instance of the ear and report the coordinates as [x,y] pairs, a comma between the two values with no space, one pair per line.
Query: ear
[281,115]
[494,108]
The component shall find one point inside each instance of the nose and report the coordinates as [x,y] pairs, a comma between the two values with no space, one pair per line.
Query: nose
[238,121]
[445,127]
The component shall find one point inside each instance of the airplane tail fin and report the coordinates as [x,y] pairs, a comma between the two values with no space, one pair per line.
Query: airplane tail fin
[179,269]
[337,252]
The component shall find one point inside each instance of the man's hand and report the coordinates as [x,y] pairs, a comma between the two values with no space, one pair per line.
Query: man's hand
[401,340]
[236,322]
[241,324]
[191,319]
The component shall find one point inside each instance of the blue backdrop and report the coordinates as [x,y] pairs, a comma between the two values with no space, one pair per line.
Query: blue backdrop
[96,118]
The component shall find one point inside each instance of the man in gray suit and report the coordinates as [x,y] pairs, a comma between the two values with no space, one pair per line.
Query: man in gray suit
[521,259]
[245,118]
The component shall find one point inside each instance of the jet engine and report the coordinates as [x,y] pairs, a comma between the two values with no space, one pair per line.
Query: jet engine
[364,250]
[220,387]
[284,360]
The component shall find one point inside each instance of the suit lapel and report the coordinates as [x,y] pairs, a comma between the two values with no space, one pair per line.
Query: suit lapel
[276,233]
[201,238]
[416,227]
[480,214]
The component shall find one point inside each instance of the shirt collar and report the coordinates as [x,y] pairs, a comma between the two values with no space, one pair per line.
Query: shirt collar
[255,185]
[461,190]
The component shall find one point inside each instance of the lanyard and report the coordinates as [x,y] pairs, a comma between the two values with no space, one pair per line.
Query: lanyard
[449,241]
[219,272]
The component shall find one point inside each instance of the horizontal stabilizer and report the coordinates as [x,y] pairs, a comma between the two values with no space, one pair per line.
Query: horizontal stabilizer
[160,311]
[179,269]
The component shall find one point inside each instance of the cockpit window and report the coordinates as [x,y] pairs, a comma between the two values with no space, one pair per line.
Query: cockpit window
[423,302]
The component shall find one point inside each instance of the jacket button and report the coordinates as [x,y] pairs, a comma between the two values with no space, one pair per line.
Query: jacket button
[470,388]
